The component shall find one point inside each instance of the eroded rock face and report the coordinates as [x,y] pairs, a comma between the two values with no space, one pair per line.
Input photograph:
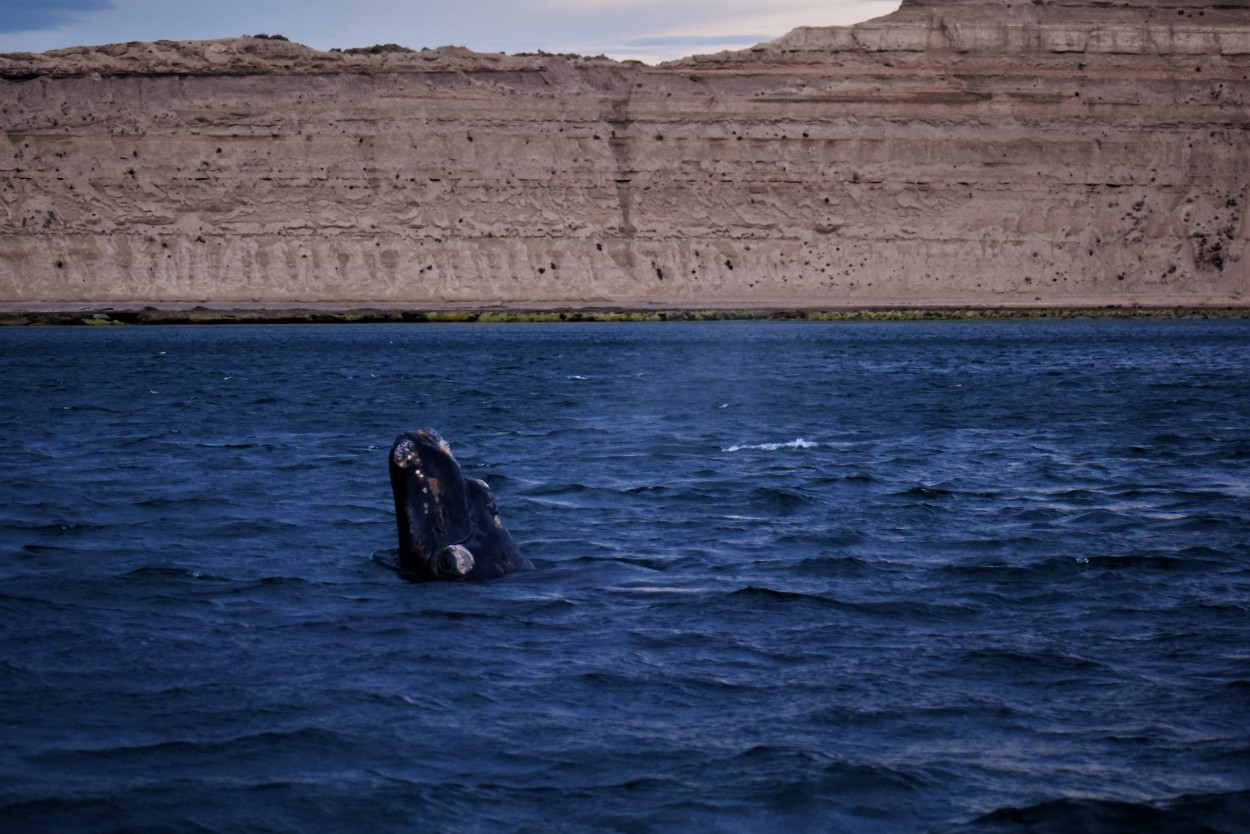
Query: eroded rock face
[955,152]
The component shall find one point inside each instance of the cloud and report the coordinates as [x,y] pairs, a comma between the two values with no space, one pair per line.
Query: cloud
[28,16]
[694,40]
[660,30]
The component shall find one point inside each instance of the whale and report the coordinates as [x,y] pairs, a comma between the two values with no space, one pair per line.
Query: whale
[448,525]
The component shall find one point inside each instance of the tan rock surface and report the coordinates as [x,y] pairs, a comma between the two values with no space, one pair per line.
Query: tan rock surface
[959,152]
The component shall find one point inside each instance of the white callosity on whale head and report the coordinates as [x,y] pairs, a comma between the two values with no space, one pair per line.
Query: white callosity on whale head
[404,453]
[458,558]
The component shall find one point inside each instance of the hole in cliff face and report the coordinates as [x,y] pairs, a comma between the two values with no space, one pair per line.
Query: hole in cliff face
[1208,251]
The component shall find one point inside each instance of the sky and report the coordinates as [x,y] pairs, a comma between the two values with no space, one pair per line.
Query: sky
[646,30]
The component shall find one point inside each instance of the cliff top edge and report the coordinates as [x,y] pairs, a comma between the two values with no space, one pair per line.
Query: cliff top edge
[1004,26]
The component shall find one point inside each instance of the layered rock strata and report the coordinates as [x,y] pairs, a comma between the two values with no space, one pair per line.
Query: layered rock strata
[1057,153]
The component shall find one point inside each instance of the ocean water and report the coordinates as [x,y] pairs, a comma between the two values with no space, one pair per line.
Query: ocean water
[908,577]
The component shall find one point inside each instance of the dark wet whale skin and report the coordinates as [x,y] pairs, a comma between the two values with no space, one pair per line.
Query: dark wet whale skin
[447,524]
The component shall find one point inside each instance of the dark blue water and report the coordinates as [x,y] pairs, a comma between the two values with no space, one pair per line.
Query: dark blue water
[791,577]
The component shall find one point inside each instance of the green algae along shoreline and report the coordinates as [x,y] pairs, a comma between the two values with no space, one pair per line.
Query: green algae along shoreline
[106,316]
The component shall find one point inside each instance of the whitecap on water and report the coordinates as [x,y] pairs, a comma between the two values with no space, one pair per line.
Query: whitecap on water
[797,443]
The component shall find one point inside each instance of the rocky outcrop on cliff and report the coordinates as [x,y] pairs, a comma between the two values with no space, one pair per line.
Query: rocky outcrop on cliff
[956,152]
[258,55]
[1052,27]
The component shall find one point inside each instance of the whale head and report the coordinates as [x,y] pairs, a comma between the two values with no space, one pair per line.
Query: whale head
[447,524]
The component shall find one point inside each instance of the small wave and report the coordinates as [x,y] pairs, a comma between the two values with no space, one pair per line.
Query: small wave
[556,488]
[647,488]
[70,528]
[1136,562]
[927,491]
[388,559]
[655,563]
[773,499]
[1133,561]
[90,408]
[797,443]
[1209,812]
[777,595]
[793,776]
[45,548]
[832,566]
[163,572]
[298,740]
[1052,662]
[757,596]
[230,444]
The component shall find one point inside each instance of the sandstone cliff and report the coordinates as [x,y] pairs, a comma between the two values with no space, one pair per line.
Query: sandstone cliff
[968,152]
